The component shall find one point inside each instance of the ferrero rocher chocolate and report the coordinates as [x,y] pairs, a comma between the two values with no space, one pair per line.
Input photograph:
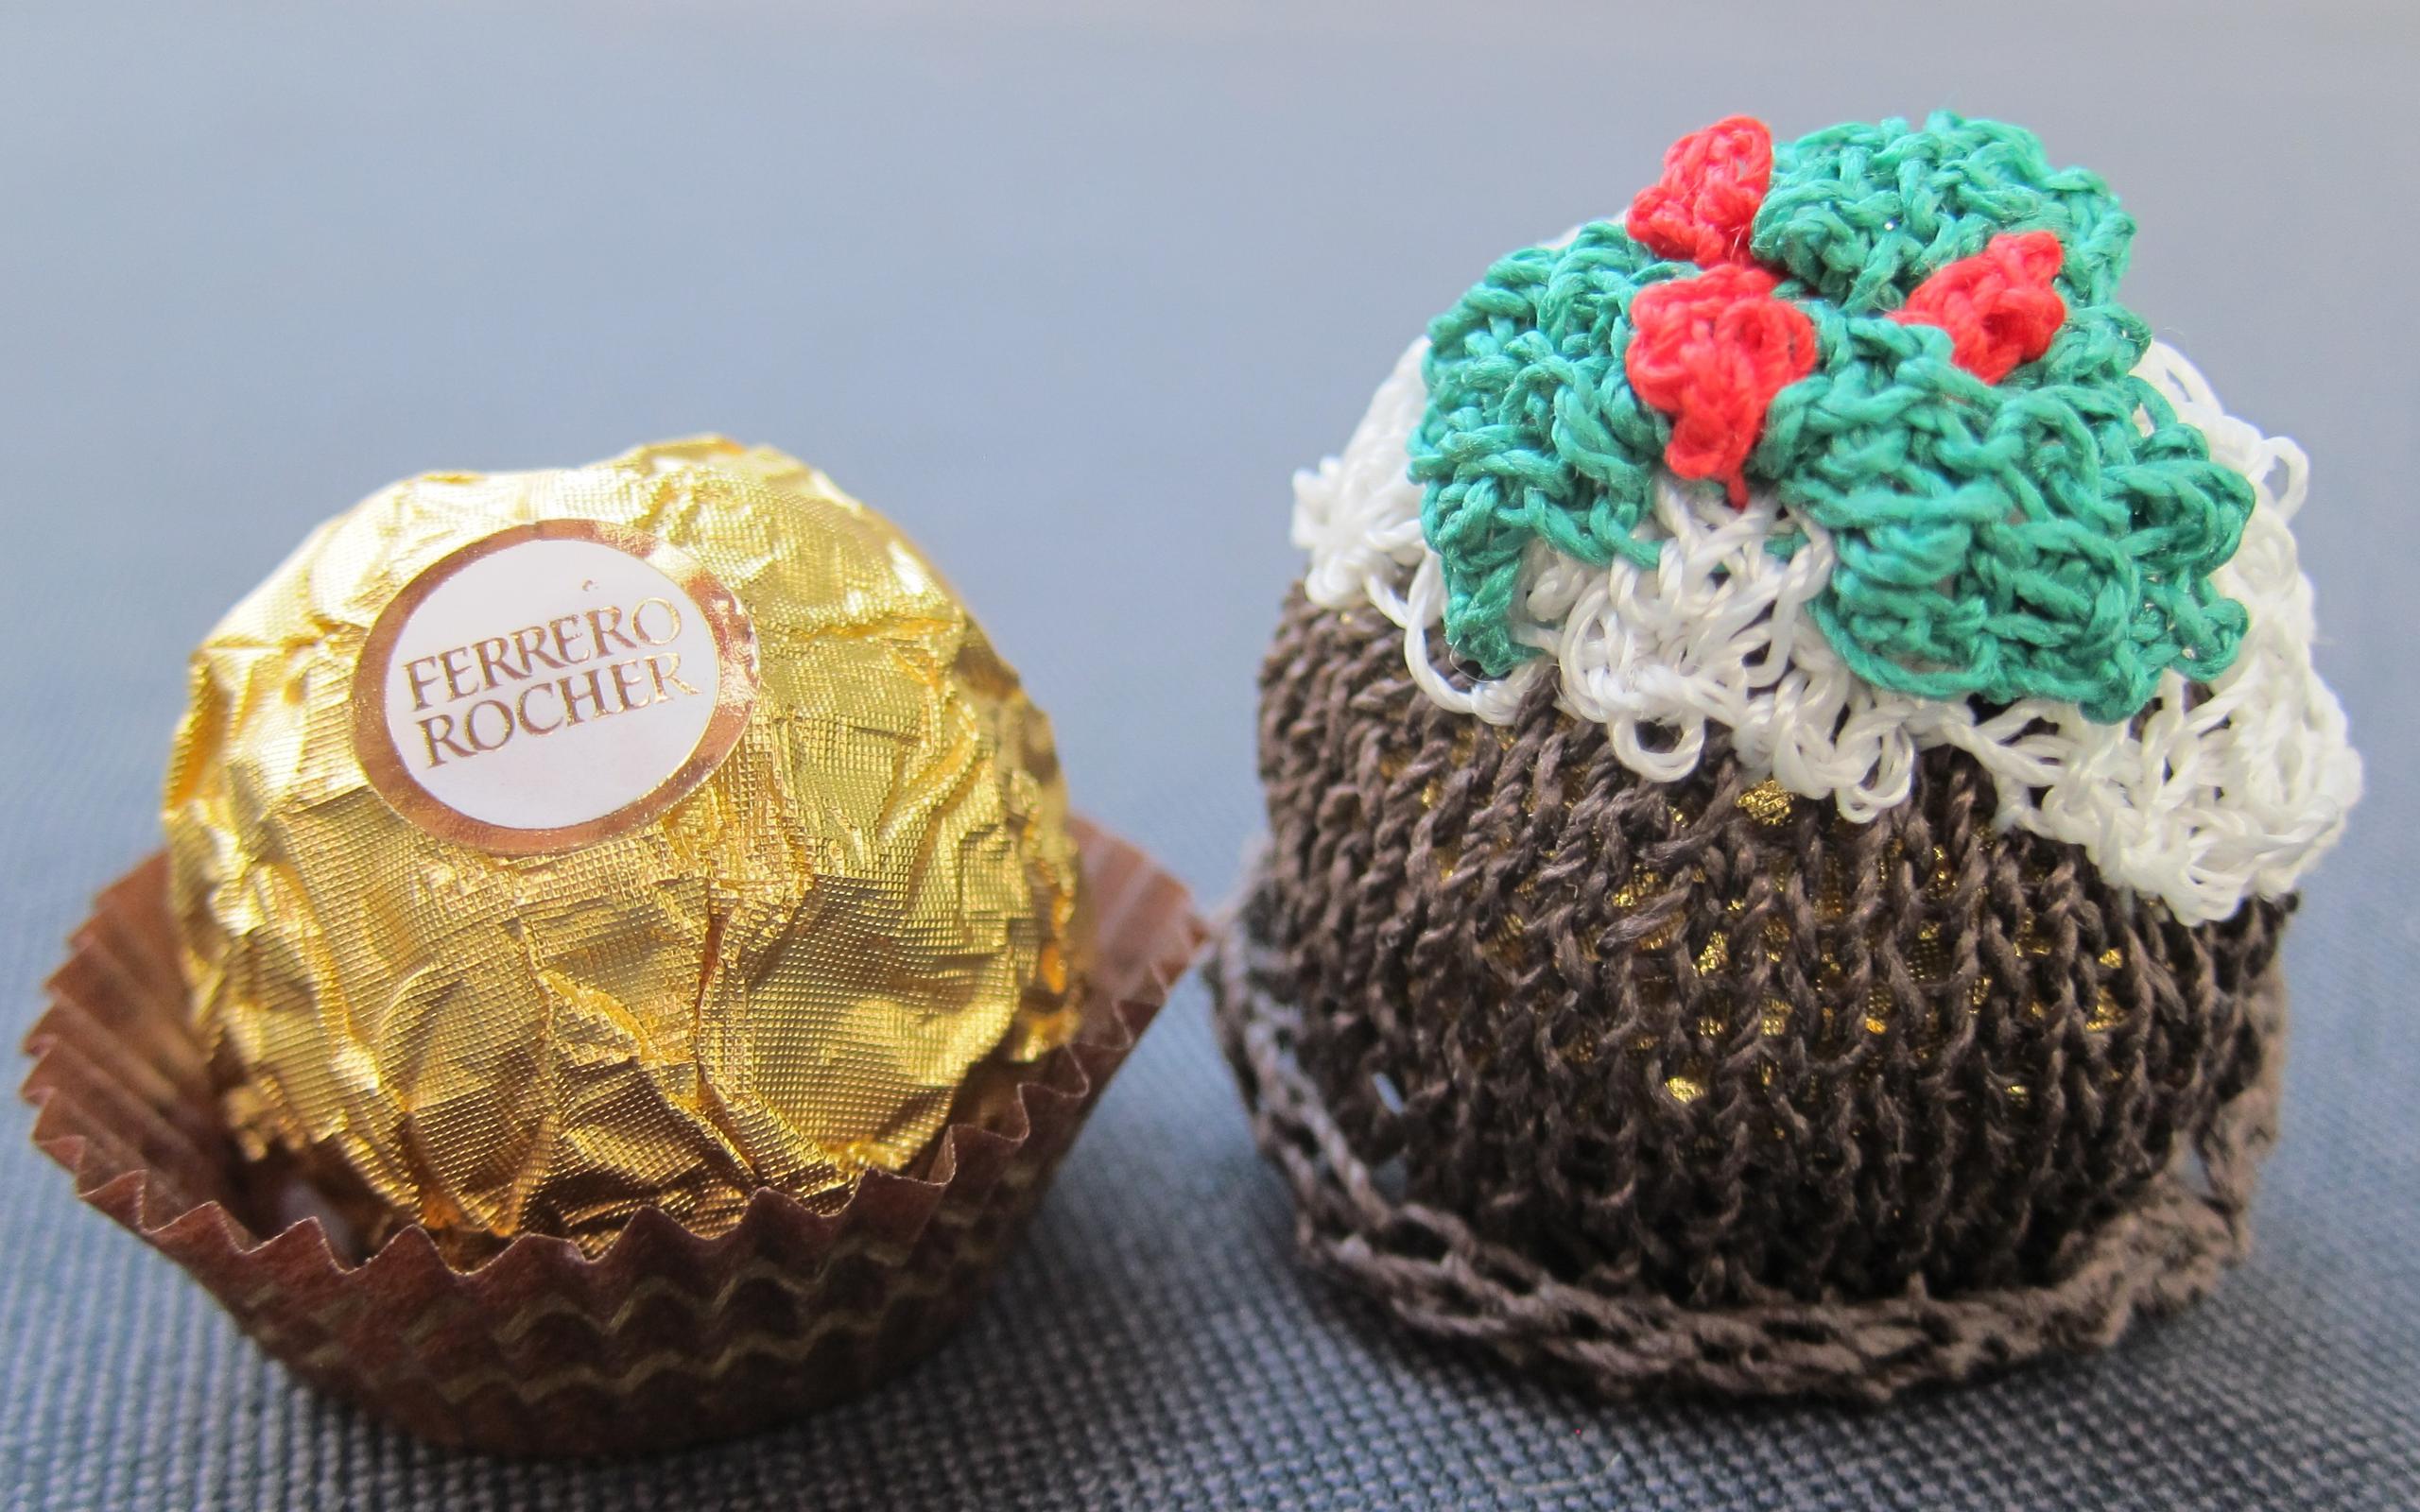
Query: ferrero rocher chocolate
[550,846]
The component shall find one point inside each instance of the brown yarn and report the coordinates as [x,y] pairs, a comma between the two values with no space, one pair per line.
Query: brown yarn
[1697,1081]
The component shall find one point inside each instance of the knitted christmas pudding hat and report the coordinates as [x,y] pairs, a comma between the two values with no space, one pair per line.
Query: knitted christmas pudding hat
[1786,769]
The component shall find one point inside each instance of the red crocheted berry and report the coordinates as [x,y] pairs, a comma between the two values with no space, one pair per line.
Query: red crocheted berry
[1997,305]
[1713,182]
[1712,352]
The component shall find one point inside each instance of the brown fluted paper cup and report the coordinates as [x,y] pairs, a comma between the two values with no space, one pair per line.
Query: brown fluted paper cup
[666,1338]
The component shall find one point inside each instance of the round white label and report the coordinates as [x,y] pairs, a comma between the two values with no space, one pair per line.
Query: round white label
[551,685]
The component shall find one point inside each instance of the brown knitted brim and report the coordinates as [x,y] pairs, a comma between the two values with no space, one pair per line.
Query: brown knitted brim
[1696,1083]
[664,1339]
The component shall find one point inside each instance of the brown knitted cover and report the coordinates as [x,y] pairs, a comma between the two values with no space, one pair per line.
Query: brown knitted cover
[1697,1083]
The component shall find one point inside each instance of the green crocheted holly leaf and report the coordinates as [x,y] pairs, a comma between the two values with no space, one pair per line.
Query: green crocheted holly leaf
[2050,534]
[1532,432]
[1859,213]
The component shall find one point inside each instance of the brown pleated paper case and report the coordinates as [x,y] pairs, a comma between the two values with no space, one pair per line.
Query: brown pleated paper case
[1698,1086]
[666,1338]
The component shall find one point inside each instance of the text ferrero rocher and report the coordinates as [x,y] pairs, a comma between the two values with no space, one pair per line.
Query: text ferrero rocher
[551,846]
[539,678]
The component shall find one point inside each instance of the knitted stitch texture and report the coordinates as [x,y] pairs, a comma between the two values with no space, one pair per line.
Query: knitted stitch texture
[1437,1274]
[1706,1046]
[2050,534]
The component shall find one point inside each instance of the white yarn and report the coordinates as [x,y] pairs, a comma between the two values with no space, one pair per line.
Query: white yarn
[2200,806]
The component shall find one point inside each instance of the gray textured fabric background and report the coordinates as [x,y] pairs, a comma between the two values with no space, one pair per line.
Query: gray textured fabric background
[1068,293]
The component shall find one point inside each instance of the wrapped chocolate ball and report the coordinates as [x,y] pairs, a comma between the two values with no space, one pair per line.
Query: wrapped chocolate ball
[623,969]
[550,846]
[1785,771]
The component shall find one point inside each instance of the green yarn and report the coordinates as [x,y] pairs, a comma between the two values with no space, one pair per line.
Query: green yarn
[1532,432]
[2028,539]
[1859,213]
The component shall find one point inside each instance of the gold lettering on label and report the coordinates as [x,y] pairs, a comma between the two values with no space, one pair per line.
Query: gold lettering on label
[638,621]
[448,686]
[439,730]
[666,668]
[531,644]
[605,622]
[571,699]
[622,672]
[493,654]
[421,683]
[521,708]
[471,724]
[455,675]
[532,659]
[562,643]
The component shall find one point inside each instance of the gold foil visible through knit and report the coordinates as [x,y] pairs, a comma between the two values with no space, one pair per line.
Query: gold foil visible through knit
[781,981]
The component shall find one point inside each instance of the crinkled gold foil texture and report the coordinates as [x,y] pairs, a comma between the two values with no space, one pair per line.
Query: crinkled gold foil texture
[780,982]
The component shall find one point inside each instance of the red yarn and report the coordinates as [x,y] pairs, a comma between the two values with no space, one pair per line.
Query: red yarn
[1712,352]
[1997,305]
[1713,182]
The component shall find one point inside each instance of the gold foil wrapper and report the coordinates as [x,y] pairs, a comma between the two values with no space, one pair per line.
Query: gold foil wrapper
[780,981]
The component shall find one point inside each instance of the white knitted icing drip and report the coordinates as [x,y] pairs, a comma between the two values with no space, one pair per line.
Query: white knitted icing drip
[2200,804]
